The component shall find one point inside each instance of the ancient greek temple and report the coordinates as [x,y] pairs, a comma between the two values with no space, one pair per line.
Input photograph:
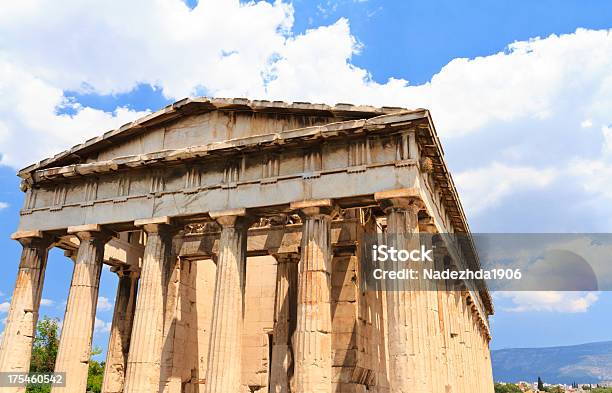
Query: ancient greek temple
[239,231]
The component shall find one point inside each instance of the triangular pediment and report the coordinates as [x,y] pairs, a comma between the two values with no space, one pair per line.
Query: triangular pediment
[201,121]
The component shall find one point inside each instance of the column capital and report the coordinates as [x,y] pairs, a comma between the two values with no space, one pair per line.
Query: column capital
[427,225]
[90,232]
[314,207]
[33,238]
[126,271]
[287,257]
[71,254]
[155,225]
[403,198]
[232,218]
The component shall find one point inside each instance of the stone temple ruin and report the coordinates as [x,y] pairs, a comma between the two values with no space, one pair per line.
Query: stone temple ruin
[238,231]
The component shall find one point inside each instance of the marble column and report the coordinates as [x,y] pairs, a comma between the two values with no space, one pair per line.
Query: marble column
[434,347]
[488,366]
[121,329]
[463,361]
[143,365]
[406,301]
[312,344]
[281,366]
[225,354]
[77,329]
[443,295]
[20,328]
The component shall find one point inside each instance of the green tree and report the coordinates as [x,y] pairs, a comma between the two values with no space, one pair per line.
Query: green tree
[540,384]
[44,352]
[507,388]
[44,349]
[96,373]
[556,389]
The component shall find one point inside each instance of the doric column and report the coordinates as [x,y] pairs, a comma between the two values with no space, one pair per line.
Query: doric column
[143,365]
[473,327]
[284,321]
[121,329]
[20,328]
[77,329]
[312,339]
[462,360]
[446,337]
[406,301]
[224,354]
[434,350]
[488,366]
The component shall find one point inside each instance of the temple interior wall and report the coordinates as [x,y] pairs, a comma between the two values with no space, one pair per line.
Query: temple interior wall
[356,327]
[258,322]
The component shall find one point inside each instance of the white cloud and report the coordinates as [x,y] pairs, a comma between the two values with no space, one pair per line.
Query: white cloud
[104,304]
[4,307]
[587,123]
[101,326]
[549,301]
[607,135]
[28,113]
[3,205]
[46,302]
[111,47]
[595,176]
[486,186]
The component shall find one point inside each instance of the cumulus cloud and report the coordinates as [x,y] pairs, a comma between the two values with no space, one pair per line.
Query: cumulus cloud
[607,135]
[111,47]
[3,205]
[4,307]
[551,301]
[46,302]
[101,326]
[595,177]
[483,187]
[104,304]
[29,112]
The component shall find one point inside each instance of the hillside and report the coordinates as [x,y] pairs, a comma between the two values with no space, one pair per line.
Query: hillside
[585,363]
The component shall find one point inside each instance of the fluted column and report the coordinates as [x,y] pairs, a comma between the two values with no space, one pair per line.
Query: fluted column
[225,351]
[77,329]
[20,329]
[488,365]
[446,337]
[312,339]
[463,360]
[406,301]
[121,329]
[434,346]
[284,322]
[143,366]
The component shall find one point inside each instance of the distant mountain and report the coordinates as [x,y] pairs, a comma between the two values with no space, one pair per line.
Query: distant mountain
[585,363]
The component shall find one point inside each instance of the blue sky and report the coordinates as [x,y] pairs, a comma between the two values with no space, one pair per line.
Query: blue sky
[525,122]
